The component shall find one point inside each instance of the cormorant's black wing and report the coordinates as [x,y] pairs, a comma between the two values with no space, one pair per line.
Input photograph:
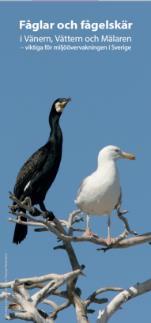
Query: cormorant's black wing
[26,174]
[29,170]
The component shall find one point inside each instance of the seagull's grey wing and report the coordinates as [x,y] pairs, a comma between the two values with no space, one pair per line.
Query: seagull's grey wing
[80,188]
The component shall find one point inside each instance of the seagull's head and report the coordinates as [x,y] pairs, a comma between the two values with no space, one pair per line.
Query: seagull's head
[114,153]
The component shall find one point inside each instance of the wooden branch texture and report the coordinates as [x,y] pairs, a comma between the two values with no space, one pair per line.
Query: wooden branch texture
[122,298]
[24,300]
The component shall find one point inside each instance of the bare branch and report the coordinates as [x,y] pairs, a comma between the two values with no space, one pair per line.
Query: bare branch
[118,242]
[18,315]
[51,286]
[32,223]
[25,305]
[50,303]
[92,298]
[121,298]
[8,296]
[58,309]
[30,282]
[121,216]
[55,226]
[80,308]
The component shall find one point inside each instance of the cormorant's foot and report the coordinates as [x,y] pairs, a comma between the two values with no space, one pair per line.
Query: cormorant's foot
[49,215]
[35,212]
[27,201]
[14,208]
[89,234]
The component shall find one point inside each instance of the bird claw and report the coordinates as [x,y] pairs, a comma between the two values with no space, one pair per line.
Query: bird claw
[13,208]
[89,234]
[27,202]
[109,241]
[34,211]
[48,215]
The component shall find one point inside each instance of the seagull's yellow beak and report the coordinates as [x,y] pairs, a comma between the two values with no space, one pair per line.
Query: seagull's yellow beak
[128,155]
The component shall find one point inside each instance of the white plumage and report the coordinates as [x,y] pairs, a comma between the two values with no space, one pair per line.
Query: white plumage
[100,192]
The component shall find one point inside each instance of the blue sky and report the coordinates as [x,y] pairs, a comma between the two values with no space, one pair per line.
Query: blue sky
[110,105]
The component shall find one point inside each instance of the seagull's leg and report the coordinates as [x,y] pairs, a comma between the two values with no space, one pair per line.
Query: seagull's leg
[109,239]
[87,222]
[88,233]
[87,229]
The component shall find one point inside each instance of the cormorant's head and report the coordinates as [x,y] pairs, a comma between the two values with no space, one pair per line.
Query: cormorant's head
[60,104]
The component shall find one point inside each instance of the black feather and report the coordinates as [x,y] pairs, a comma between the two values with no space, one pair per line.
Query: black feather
[39,171]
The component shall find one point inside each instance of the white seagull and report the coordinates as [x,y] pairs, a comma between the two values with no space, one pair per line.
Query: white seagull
[100,192]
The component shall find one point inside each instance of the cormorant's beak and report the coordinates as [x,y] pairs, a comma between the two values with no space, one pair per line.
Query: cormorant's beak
[65,102]
[128,155]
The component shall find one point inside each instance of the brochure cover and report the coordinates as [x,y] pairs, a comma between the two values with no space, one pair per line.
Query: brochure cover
[75,102]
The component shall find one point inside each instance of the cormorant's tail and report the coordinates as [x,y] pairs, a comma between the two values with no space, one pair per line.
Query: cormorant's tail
[20,232]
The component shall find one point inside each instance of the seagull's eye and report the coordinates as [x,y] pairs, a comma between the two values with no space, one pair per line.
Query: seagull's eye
[117,150]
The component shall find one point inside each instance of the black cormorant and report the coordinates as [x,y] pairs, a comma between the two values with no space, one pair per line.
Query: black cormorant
[39,171]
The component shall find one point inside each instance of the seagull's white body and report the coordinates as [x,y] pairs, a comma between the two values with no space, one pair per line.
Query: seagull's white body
[100,192]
